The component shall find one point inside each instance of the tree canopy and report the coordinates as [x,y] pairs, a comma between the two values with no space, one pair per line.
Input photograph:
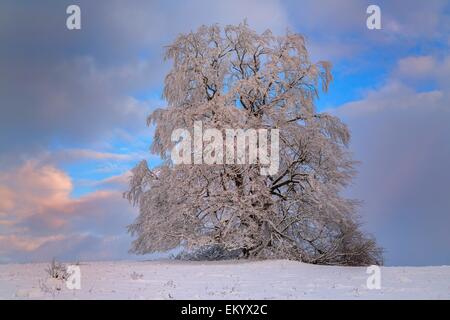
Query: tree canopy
[234,77]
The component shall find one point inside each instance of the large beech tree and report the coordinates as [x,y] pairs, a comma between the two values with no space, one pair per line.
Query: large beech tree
[234,77]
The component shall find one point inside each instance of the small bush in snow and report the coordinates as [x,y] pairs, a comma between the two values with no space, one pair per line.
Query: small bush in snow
[57,270]
[136,276]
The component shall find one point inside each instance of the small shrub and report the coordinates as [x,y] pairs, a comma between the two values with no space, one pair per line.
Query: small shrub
[57,270]
[136,276]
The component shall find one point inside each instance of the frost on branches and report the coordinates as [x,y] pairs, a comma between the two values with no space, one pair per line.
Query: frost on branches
[236,78]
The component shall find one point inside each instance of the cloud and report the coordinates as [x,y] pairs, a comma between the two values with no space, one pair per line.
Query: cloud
[337,29]
[34,190]
[392,96]
[7,202]
[71,102]
[418,66]
[114,182]
[59,86]
[76,155]
[40,220]
[401,135]
[25,244]
[430,69]
[399,18]
[79,87]
[416,19]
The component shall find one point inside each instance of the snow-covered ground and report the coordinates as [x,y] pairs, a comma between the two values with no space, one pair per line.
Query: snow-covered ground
[277,279]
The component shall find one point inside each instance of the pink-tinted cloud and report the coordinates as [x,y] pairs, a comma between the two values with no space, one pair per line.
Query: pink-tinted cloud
[35,190]
[7,200]
[40,219]
[23,243]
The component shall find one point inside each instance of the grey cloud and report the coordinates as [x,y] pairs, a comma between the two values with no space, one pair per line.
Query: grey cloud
[402,138]
[76,248]
[337,29]
[66,102]
[59,86]
[348,18]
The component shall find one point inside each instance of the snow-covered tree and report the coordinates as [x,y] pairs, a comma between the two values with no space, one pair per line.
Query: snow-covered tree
[233,77]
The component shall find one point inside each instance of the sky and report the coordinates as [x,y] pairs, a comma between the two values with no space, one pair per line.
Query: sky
[73,108]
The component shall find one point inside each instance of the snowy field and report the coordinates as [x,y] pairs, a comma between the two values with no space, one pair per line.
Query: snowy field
[278,279]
